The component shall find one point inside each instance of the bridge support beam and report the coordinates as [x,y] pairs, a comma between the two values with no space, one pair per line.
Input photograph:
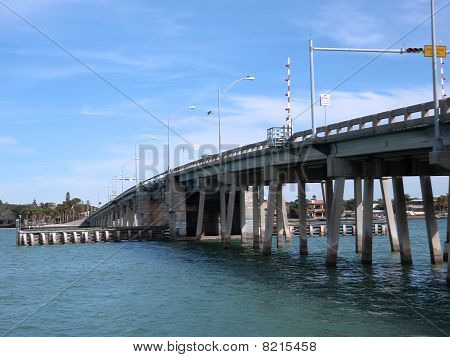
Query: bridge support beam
[434,242]
[246,212]
[447,238]
[255,206]
[333,220]
[286,227]
[367,221]
[274,187]
[389,213]
[262,212]
[302,215]
[230,214]
[279,221]
[358,215]
[200,232]
[176,209]
[223,210]
[402,221]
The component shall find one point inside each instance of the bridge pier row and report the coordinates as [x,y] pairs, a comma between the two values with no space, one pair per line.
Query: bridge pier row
[434,242]
[302,215]
[358,214]
[402,220]
[389,214]
[367,221]
[334,218]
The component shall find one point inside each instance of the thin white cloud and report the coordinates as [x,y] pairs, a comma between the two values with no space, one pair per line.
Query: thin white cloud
[12,146]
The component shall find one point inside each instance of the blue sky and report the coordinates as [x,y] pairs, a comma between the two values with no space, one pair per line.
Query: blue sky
[64,129]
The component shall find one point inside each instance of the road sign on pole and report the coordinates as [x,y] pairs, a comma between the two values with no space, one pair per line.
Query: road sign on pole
[325,100]
[441,51]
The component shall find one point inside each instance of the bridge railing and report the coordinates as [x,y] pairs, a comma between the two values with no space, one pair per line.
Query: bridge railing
[392,119]
[380,122]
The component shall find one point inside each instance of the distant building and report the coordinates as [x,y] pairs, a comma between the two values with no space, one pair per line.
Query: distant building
[415,207]
[316,208]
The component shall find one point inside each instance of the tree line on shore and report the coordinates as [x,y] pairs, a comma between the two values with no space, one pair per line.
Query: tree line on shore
[440,205]
[71,209]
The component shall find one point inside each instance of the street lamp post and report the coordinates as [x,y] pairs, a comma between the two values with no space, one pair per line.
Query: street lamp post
[219,95]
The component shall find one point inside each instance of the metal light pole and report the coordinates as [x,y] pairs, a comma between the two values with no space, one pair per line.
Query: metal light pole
[219,95]
[437,135]
[311,81]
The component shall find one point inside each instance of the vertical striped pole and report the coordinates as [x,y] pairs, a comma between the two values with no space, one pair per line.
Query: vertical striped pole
[288,94]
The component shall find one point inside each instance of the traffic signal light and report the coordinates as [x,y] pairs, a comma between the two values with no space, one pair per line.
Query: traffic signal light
[414,50]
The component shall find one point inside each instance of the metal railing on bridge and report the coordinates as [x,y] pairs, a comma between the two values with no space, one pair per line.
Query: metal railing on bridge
[397,119]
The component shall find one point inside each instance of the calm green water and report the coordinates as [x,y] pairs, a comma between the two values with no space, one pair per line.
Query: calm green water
[198,289]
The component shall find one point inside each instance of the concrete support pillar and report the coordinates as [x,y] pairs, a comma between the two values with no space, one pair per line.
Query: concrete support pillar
[223,212]
[367,221]
[122,216]
[262,213]
[286,227]
[230,213]
[106,237]
[434,242]
[96,236]
[334,219]
[53,238]
[302,214]
[389,213]
[402,221]
[255,205]
[279,212]
[200,232]
[447,238]
[327,195]
[246,212]
[31,239]
[271,205]
[358,215]
[75,237]
[176,208]
[64,238]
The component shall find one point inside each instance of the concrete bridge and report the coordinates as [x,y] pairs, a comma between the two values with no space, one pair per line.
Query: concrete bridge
[223,196]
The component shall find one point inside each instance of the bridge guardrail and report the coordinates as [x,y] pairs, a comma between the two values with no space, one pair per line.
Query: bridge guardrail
[409,116]
[392,119]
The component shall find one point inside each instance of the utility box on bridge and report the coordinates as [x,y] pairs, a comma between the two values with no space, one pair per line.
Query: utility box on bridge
[278,136]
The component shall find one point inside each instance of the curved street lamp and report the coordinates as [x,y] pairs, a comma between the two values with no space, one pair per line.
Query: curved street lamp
[221,93]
